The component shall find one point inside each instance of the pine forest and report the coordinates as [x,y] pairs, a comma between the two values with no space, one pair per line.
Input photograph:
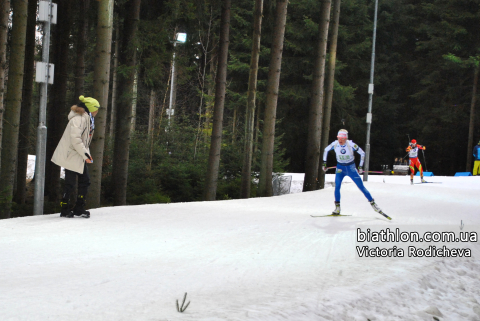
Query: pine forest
[211,99]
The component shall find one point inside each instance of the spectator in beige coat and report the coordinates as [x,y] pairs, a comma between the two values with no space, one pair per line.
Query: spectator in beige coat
[73,154]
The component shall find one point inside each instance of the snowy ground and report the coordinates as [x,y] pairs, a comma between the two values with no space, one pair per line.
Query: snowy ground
[257,259]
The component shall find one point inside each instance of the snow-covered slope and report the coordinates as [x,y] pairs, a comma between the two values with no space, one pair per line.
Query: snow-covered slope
[256,259]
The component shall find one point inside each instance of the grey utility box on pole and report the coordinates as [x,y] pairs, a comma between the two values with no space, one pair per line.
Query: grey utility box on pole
[45,14]
[44,75]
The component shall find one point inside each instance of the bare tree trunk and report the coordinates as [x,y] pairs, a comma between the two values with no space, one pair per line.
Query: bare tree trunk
[252,91]
[151,124]
[209,103]
[329,87]
[234,123]
[58,110]
[101,76]
[126,88]
[316,102]
[4,11]
[268,143]
[162,111]
[113,110]
[13,104]
[84,6]
[134,102]
[24,135]
[210,189]
[257,134]
[472,120]
[151,114]
[202,76]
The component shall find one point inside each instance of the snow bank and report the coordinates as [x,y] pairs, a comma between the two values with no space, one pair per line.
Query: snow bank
[257,259]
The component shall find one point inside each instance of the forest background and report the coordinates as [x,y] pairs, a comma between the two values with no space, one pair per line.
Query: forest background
[426,73]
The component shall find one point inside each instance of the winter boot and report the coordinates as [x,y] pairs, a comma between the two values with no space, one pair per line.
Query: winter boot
[337,209]
[423,181]
[375,206]
[79,209]
[411,182]
[66,211]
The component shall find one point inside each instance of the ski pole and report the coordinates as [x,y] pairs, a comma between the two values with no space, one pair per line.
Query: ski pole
[425,160]
[408,144]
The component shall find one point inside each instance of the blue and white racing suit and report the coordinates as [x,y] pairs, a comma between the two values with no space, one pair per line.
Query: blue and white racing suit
[346,166]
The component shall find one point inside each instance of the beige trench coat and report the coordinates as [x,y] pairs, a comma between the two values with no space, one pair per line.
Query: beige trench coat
[75,142]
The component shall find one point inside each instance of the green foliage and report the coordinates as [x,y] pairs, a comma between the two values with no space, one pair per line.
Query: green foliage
[148,198]
[172,168]
[451,57]
[463,63]
[5,202]
[142,187]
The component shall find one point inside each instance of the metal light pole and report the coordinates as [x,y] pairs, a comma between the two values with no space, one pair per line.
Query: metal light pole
[370,97]
[179,38]
[44,75]
[170,109]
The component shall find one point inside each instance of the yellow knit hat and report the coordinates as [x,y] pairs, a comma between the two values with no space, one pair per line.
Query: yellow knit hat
[91,103]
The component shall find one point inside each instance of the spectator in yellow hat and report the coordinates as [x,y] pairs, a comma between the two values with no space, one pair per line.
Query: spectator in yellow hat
[73,154]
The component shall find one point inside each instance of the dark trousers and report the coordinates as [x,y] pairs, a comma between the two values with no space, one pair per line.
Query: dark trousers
[70,180]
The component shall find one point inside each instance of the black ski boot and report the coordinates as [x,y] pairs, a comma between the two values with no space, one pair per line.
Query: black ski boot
[66,211]
[79,209]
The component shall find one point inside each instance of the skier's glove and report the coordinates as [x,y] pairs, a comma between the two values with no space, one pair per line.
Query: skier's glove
[424,147]
[324,166]
[360,169]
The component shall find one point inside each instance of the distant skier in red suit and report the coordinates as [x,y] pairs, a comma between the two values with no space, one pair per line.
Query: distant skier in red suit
[412,150]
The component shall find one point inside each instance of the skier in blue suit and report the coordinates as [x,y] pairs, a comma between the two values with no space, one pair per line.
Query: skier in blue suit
[344,150]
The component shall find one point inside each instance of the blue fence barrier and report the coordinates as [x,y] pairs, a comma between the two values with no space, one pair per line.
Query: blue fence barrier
[425,174]
[463,174]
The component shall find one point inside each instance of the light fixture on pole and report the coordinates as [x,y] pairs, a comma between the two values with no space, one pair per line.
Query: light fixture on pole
[370,97]
[179,38]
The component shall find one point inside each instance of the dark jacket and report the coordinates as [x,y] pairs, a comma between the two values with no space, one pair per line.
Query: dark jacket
[476,152]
